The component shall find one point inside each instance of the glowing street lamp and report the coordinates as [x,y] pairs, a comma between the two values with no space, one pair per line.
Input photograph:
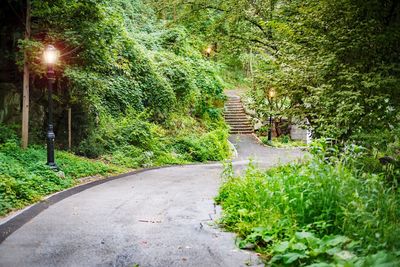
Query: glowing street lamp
[208,51]
[271,95]
[50,55]
[50,59]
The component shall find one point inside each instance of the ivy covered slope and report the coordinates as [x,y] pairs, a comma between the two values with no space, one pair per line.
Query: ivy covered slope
[142,94]
[148,95]
[25,178]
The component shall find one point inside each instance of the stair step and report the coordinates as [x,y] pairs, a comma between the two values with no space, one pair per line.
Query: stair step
[240,132]
[238,121]
[241,129]
[237,113]
[236,117]
[240,125]
[234,109]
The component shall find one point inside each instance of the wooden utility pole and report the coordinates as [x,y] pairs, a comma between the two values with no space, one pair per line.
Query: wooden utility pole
[25,84]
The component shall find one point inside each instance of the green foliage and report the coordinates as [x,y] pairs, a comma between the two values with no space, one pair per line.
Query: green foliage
[282,141]
[180,72]
[332,63]
[7,134]
[210,146]
[25,178]
[305,249]
[332,78]
[116,56]
[131,141]
[326,197]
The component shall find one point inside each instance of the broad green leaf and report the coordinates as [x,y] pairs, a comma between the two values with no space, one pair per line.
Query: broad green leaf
[281,247]
[303,235]
[292,257]
[299,246]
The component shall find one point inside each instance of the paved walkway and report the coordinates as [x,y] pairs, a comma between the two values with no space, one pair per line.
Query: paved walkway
[161,217]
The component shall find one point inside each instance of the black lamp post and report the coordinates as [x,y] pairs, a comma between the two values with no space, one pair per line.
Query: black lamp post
[50,58]
[271,95]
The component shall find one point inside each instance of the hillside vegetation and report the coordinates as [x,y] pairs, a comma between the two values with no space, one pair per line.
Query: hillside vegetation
[333,68]
[142,94]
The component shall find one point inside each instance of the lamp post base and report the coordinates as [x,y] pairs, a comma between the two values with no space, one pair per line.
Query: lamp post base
[53,166]
[270,129]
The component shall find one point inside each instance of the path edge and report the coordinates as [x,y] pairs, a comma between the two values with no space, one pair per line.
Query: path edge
[9,226]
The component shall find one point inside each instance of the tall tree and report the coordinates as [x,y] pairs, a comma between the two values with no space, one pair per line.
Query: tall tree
[25,94]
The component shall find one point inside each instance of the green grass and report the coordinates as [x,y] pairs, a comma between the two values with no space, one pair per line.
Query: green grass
[25,178]
[282,142]
[320,212]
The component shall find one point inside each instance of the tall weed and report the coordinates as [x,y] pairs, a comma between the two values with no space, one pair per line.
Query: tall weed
[325,196]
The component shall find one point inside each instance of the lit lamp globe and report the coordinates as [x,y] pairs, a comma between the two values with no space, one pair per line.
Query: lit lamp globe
[50,55]
[208,51]
[271,93]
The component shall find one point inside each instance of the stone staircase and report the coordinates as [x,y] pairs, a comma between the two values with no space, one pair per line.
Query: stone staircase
[236,117]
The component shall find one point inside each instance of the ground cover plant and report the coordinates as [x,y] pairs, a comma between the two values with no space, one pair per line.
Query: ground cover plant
[322,212]
[283,141]
[25,178]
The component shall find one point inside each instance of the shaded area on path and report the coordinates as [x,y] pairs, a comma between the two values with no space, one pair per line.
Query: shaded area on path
[161,217]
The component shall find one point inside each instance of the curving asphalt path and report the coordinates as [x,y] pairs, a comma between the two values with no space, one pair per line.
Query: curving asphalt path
[160,217]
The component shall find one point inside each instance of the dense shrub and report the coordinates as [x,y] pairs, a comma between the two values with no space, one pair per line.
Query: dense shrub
[181,75]
[7,134]
[133,142]
[296,210]
[210,146]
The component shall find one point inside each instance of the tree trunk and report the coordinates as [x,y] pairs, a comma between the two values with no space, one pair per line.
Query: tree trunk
[69,128]
[25,85]
[251,68]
